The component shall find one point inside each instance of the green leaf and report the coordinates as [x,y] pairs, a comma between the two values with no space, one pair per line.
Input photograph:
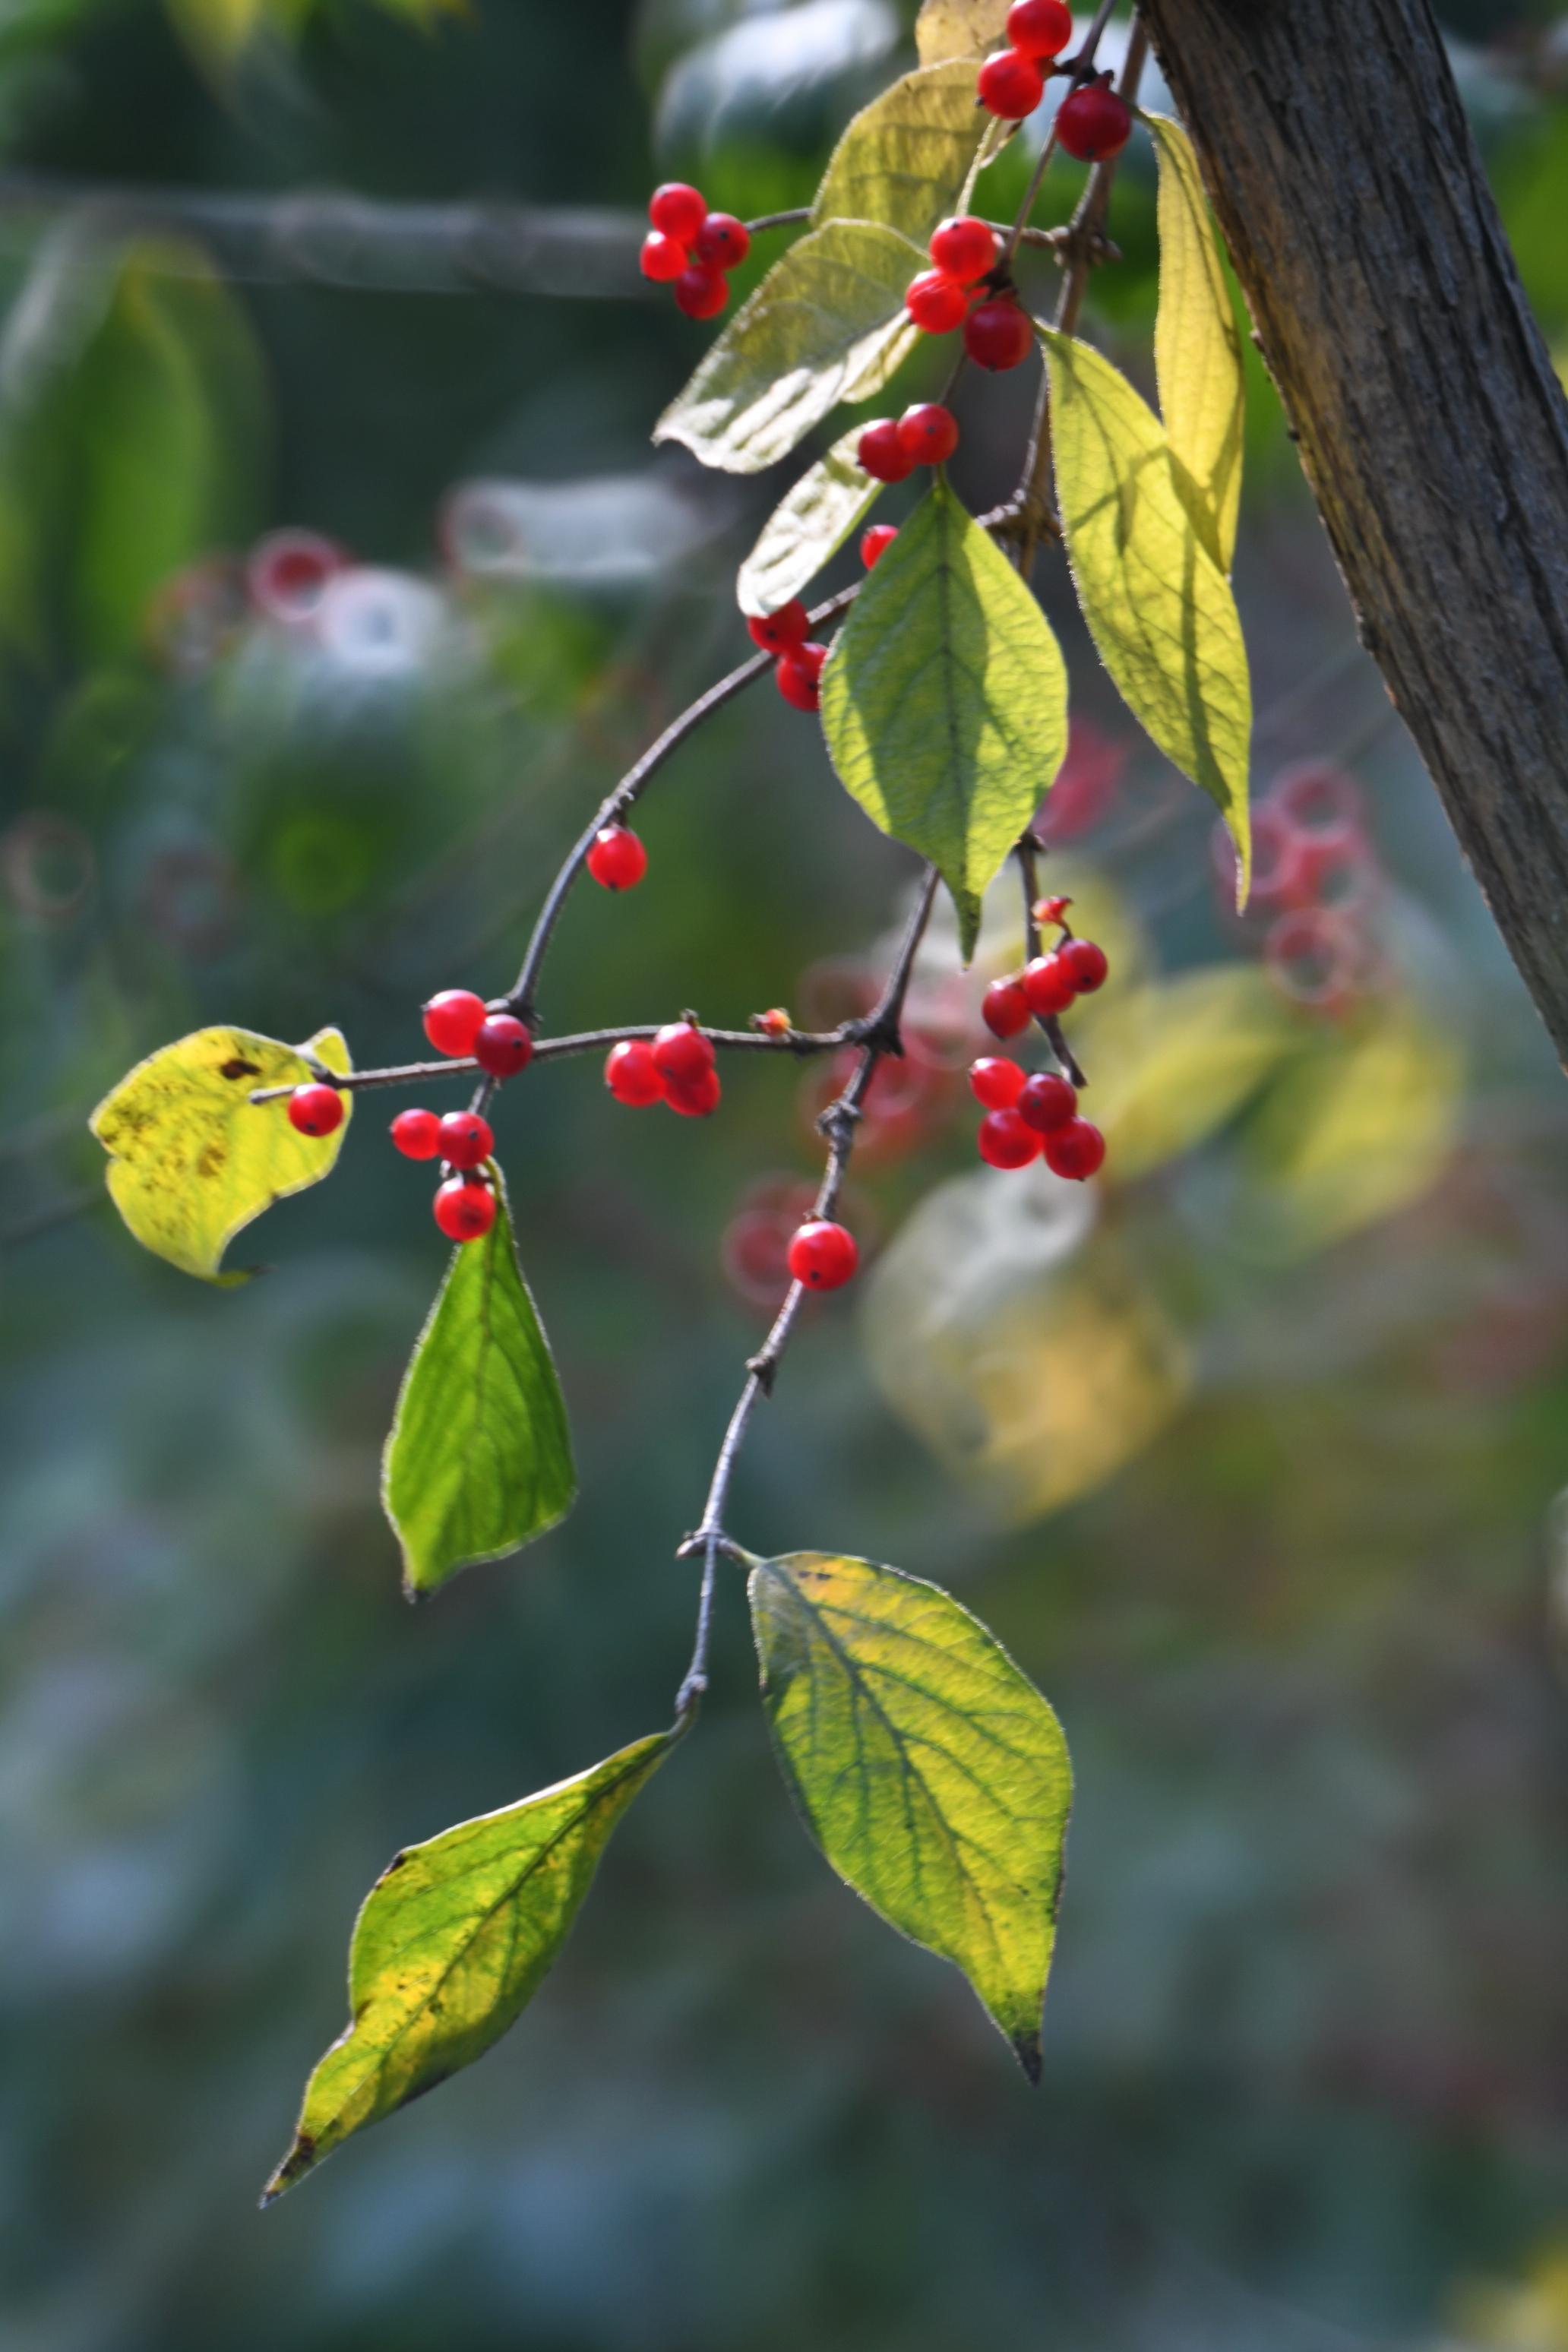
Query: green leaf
[1197,350]
[478,1460]
[193,1159]
[908,159]
[454,1940]
[959,28]
[930,1770]
[945,699]
[1158,606]
[804,528]
[133,423]
[827,324]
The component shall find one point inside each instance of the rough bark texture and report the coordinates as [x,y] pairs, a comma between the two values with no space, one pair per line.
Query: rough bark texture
[1432,428]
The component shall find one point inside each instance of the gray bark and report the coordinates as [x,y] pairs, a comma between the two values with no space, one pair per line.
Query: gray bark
[1431,426]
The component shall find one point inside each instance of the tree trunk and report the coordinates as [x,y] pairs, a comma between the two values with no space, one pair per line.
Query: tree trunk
[1419,390]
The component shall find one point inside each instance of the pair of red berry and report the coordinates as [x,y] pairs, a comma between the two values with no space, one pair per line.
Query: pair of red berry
[786,634]
[1047,985]
[458,1022]
[996,334]
[690,248]
[465,1204]
[676,1067]
[1027,1116]
[1013,83]
[925,435]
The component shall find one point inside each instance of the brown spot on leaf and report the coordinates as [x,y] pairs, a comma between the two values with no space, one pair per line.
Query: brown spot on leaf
[236,1068]
[213,1160]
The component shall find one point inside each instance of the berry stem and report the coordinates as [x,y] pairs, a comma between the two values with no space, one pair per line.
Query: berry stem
[779,220]
[1027,851]
[879,1036]
[614,810]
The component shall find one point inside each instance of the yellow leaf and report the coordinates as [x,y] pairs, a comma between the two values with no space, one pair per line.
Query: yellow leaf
[193,1159]
[1174,1060]
[807,525]
[1158,606]
[908,159]
[959,28]
[1197,351]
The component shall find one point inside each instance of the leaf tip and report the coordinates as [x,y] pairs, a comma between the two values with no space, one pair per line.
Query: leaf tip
[295,2164]
[1027,2050]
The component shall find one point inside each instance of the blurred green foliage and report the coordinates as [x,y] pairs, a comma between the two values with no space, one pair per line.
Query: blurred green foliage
[1304,1620]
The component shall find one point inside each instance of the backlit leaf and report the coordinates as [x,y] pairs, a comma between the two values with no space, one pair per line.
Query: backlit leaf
[478,1460]
[909,158]
[959,28]
[930,1770]
[804,528]
[827,324]
[454,1940]
[945,699]
[193,1159]
[1197,350]
[1159,607]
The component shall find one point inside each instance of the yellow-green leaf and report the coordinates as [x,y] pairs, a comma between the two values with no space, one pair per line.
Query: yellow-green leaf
[193,1159]
[908,159]
[1175,1059]
[945,699]
[827,324]
[478,1460]
[930,1770]
[453,1942]
[807,525]
[959,28]
[1197,351]
[1158,606]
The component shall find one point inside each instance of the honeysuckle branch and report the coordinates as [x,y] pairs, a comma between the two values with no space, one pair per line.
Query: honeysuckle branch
[799,1042]
[617,804]
[1029,516]
[881,1035]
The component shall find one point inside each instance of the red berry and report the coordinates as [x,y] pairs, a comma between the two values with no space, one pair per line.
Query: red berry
[503,1045]
[936,302]
[1076,1149]
[1010,85]
[1084,964]
[928,433]
[722,241]
[681,1053]
[464,1209]
[1093,124]
[679,210]
[1047,1103]
[875,542]
[316,1110]
[1004,1141]
[663,259]
[617,861]
[453,1020]
[965,249]
[693,1098]
[417,1134]
[1006,1008]
[1048,986]
[466,1139]
[1039,29]
[796,677]
[997,335]
[823,1256]
[880,453]
[995,1082]
[632,1074]
[779,632]
[701,293]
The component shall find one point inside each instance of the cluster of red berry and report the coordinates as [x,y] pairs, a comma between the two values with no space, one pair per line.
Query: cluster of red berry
[690,248]
[891,447]
[1316,878]
[677,1067]
[996,334]
[1092,122]
[1027,1115]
